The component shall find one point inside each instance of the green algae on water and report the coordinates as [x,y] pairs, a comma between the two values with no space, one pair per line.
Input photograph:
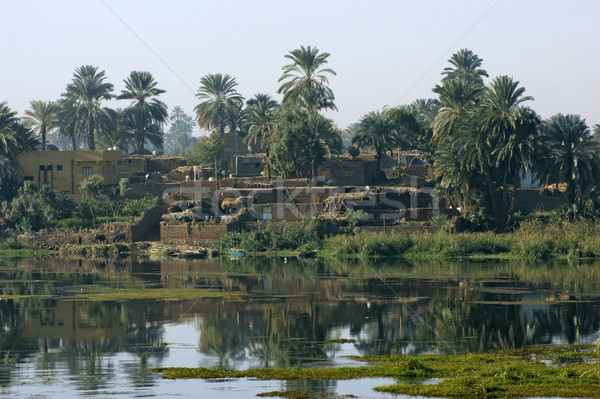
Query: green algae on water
[565,371]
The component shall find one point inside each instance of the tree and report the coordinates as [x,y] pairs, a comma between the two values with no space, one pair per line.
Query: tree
[572,156]
[221,102]
[260,117]
[510,127]
[377,132]
[457,98]
[86,91]
[35,208]
[209,150]
[301,140]
[15,138]
[179,136]
[466,66]
[42,117]
[146,112]
[305,80]
[67,122]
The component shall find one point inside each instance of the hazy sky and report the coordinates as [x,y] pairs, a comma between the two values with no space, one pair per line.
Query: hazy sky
[384,52]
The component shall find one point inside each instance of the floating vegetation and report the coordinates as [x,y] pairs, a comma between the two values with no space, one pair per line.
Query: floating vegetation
[340,341]
[155,293]
[286,394]
[565,371]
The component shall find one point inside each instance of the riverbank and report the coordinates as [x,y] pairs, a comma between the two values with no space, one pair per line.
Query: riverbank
[532,241]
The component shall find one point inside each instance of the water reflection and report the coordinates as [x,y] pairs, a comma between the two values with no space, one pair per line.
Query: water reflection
[289,315]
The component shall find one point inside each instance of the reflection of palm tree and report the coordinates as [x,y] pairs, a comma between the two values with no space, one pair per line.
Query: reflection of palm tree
[219,338]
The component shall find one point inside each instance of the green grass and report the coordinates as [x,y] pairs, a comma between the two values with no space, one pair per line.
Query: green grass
[533,241]
[543,371]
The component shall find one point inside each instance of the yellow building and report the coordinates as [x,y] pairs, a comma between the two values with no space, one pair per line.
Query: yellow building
[65,170]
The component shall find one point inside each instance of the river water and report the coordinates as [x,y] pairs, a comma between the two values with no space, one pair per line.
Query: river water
[289,312]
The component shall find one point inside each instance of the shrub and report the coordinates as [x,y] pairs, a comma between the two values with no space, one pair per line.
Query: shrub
[137,207]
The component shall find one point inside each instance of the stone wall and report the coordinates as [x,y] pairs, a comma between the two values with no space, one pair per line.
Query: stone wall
[147,229]
[201,233]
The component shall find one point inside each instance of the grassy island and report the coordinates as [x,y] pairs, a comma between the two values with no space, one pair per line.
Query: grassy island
[565,371]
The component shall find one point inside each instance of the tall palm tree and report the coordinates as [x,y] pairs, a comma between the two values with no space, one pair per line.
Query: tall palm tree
[177,114]
[465,65]
[572,155]
[457,97]
[87,90]
[260,116]
[42,117]
[375,131]
[66,121]
[518,151]
[306,80]
[503,121]
[15,138]
[220,104]
[146,112]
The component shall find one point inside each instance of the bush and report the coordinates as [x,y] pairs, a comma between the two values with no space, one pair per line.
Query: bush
[137,207]
[10,244]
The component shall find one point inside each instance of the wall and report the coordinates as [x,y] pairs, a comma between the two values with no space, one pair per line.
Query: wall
[201,233]
[65,170]
[533,200]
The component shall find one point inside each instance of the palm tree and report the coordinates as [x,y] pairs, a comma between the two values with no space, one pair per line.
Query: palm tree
[572,155]
[42,117]
[504,122]
[518,151]
[260,116]
[306,80]
[146,112]
[377,132]
[465,65]
[87,90]
[221,101]
[457,98]
[177,114]
[66,121]
[15,138]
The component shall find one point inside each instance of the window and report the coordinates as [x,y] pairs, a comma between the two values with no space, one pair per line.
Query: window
[42,167]
[87,170]
[48,167]
[29,178]
[58,167]
[348,173]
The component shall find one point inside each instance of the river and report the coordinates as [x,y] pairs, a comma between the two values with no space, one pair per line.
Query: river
[286,312]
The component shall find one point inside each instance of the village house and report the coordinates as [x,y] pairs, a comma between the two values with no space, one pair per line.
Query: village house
[65,170]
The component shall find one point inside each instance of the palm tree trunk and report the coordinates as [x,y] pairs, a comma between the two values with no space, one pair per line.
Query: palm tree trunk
[73,144]
[513,200]
[91,140]
[268,163]
[43,134]
[505,194]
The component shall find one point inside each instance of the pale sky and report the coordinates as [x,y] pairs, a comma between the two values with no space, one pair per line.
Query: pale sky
[387,52]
